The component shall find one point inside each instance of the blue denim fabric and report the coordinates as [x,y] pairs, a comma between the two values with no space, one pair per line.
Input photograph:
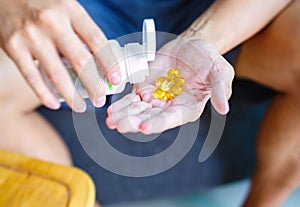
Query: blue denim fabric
[121,17]
[234,156]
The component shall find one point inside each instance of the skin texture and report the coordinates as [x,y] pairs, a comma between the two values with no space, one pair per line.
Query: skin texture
[25,24]
[40,31]
[235,16]
[270,58]
[208,76]
[277,171]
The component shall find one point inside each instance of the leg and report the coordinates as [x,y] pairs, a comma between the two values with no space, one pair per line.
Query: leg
[22,129]
[272,58]
[278,154]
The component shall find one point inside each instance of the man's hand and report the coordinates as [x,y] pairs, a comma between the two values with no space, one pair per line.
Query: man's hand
[207,76]
[43,31]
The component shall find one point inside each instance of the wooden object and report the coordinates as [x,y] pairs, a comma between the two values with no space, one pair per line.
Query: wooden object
[27,182]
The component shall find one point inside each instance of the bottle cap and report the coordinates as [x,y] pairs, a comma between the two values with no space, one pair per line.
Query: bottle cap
[149,39]
[138,56]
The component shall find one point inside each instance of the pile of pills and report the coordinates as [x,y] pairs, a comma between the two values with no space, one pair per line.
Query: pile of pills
[169,86]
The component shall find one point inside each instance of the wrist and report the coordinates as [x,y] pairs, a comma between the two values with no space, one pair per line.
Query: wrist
[202,29]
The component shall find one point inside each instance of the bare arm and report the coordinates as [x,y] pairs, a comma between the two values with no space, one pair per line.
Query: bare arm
[35,30]
[228,23]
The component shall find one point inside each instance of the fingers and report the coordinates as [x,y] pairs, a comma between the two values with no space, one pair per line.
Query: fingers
[129,120]
[132,110]
[161,121]
[171,117]
[221,77]
[68,39]
[127,106]
[219,99]
[46,31]
[145,90]
[132,123]
[57,73]
[52,28]
[41,47]
[90,33]
[83,63]
[139,116]
[87,29]
[150,120]
[23,59]
[123,103]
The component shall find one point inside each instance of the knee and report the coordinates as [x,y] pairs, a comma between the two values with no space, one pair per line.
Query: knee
[273,56]
[15,94]
[284,33]
[8,74]
[7,70]
[289,35]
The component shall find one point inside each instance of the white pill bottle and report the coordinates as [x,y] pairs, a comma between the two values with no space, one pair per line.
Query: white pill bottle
[133,60]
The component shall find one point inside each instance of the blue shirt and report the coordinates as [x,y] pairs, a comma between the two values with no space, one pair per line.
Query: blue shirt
[230,161]
[120,17]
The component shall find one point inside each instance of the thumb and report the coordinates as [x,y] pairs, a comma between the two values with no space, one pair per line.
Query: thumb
[218,97]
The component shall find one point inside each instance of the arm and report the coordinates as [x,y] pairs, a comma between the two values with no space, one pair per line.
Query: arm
[223,26]
[228,23]
[42,31]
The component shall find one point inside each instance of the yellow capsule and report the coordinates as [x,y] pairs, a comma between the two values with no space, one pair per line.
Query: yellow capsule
[172,73]
[169,86]
[179,80]
[159,93]
[166,85]
[176,89]
[160,80]
[168,96]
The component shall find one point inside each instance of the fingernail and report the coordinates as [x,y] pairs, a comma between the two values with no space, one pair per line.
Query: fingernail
[100,101]
[115,78]
[110,123]
[226,108]
[145,126]
[55,104]
[80,108]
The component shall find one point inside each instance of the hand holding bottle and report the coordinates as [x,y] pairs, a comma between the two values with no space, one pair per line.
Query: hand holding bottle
[42,31]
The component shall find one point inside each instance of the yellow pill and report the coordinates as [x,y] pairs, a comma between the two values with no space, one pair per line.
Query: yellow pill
[172,73]
[166,85]
[176,90]
[179,80]
[168,96]
[169,86]
[159,93]
[160,80]
[163,95]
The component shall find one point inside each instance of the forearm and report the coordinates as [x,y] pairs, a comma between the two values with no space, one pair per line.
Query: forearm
[228,23]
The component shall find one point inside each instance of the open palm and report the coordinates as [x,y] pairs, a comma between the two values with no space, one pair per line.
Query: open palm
[207,76]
